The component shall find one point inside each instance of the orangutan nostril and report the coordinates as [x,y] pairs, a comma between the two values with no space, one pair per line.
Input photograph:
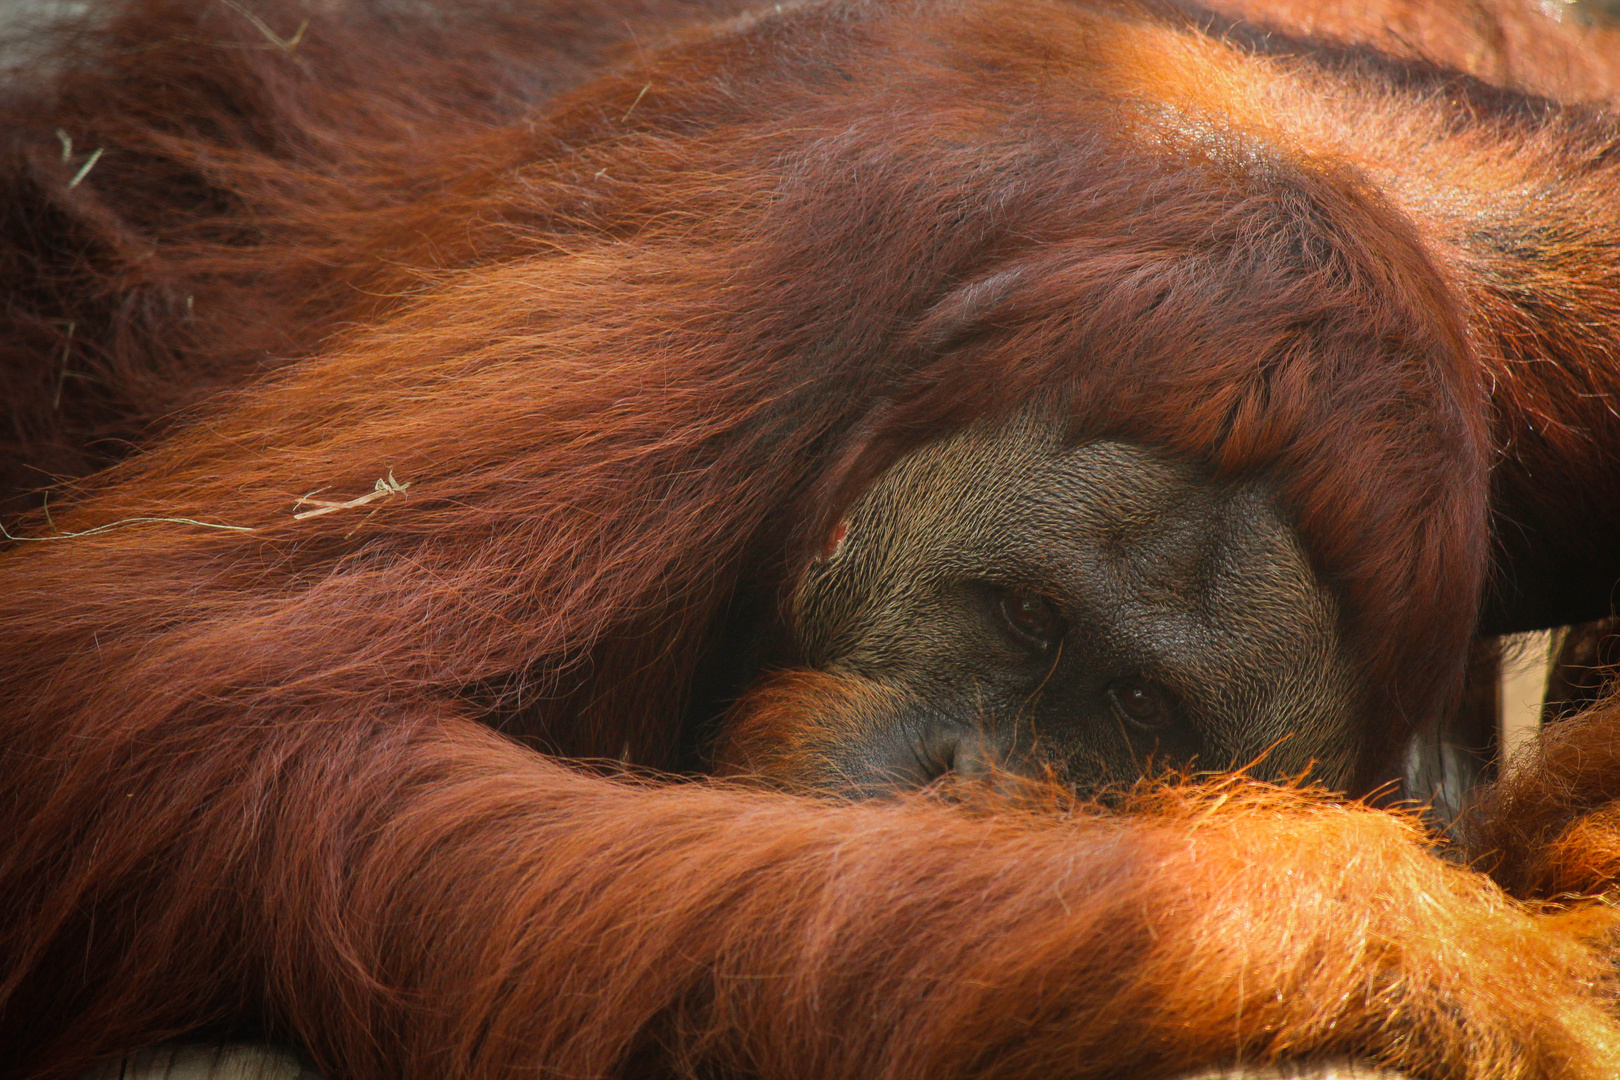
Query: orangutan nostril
[962,752]
[935,754]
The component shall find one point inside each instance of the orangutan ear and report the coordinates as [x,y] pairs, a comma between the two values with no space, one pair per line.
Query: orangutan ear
[834,543]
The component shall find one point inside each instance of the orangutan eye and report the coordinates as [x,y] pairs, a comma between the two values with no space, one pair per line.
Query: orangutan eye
[1031,618]
[1142,703]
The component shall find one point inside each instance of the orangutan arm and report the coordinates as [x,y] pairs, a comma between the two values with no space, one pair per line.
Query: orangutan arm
[1550,827]
[424,898]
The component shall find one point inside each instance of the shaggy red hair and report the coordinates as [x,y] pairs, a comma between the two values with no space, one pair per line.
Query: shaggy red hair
[584,329]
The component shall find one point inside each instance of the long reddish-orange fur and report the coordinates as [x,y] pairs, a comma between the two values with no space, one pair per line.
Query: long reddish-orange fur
[626,306]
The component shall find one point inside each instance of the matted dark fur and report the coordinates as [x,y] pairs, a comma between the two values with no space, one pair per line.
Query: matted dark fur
[585,329]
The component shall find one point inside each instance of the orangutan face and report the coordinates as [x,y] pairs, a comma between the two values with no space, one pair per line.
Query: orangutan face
[1002,601]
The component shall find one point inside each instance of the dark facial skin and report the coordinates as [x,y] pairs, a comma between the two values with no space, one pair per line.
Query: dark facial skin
[1001,600]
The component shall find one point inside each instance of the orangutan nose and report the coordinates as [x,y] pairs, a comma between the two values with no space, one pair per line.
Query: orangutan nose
[905,758]
[962,752]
